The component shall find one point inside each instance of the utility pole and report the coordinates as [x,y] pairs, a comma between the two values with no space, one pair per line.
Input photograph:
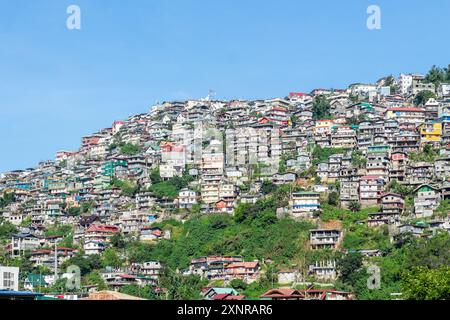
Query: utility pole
[56,262]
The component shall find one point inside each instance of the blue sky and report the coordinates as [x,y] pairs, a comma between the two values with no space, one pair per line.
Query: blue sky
[57,85]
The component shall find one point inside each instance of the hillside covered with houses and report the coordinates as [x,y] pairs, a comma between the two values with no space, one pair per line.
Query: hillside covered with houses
[297,197]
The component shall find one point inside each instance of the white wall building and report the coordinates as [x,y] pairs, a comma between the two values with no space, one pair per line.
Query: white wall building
[9,278]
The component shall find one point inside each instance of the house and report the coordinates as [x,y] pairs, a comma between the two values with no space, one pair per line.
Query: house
[431,132]
[392,203]
[225,205]
[34,282]
[19,295]
[322,294]
[418,86]
[444,90]
[283,294]
[101,233]
[392,207]
[420,173]
[150,234]
[288,276]
[92,247]
[9,278]
[304,204]
[417,230]
[426,200]
[370,189]
[186,198]
[349,191]
[323,270]
[246,271]
[212,292]
[46,257]
[22,242]
[228,297]
[406,115]
[152,269]
[325,239]
[284,178]
[343,137]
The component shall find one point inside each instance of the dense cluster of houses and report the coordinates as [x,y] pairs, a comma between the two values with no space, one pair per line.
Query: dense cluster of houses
[229,149]
[225,268]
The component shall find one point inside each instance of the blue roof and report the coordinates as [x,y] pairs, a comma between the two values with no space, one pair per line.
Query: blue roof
[19,293]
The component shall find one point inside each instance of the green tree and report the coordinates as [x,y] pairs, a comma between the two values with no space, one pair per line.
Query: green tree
[358,159]
[94,278]
[268,187]
[6,229]
[347,266]
[427,284]
[436,76]
[321,108]
[180,287]
[130,149]
[6,199]
[423,96]
[145,292]
[117,241]
[155,176]
[74,211]
[333,199]
[238,284]
[110,258]
[354,206]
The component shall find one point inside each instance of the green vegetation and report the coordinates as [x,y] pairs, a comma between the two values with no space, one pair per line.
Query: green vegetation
[86,264]
[130,149]
[6,199]
[416,267]
[145,292]
[128,188]
[170,188]
[422,97]
[333,199]
[268,187]
[438,75]
[354,206]
[444,209]
[398,188]
[427,284]
[257,236]
[321,108]
[358,159]
[181,287]
[155,176]
[59,230]
[110,258]
[320,154]
[6,229]
[428,154]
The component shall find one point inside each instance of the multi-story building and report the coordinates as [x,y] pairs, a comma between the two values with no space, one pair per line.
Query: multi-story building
[426,200]
[370,190]
[304,204]
[9,278]
[325,239]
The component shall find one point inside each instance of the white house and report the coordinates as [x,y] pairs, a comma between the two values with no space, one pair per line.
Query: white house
[9,278]
[186,198]
[93,247]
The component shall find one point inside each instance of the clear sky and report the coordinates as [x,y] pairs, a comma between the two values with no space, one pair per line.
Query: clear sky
[57,85]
